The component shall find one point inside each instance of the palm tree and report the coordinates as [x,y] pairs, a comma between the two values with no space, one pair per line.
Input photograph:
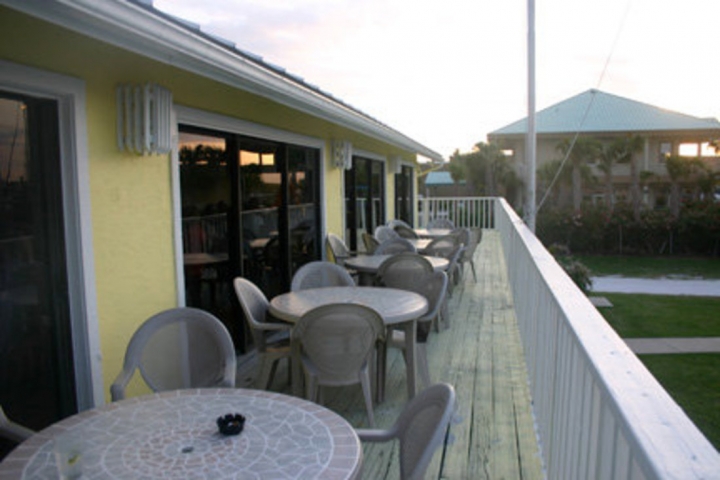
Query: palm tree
[580,152]
[629,146]
[678,168]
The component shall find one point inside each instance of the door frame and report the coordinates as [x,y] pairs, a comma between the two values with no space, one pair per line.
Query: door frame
[69,93]
[221,123]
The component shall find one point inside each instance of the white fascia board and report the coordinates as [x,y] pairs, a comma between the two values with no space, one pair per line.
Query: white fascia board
[131,27]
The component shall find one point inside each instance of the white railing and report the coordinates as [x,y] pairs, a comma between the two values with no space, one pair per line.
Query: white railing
[599,412]
[468,212]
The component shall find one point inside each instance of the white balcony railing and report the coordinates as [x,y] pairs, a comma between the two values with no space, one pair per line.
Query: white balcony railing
[463,211]
[599,412]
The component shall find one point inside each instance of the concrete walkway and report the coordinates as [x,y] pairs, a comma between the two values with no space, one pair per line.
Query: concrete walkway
[664,286]
[657,286]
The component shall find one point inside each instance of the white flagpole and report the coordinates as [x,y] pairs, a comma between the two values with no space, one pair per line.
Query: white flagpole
[530,141]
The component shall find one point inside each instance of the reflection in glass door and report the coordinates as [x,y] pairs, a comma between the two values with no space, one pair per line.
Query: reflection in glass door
[250,208]
[37,383]
[365,199]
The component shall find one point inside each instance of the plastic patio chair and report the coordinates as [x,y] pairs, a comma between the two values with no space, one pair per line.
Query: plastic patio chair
[179,348]
[321,274]
[371,243]
[13,431]
[405,232]
[335,344]
[403,270]
[395,222]
[468,256]
[420,429]
[433,286]
[395,245]
[271,339]
[383,233]
[337,251]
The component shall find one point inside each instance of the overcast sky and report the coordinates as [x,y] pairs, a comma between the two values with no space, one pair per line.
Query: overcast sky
[447,72]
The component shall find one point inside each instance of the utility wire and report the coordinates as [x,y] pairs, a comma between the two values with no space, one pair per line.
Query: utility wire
[620,29]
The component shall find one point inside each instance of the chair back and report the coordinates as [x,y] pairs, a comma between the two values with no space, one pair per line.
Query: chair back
[442,246]
[383,233]
[405,232]
[403,270]
[421,428]
[395,222]
[441,222]
[462,235]
[337,248]
[472,244]
[13,431]
[395,245]
[179,348]
[321,274]
[337,340]
[371,243]
[433,286]
[254,305]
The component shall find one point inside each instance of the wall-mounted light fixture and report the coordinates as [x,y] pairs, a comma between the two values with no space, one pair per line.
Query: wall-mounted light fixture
[397,161]
[342,154]
[144,115]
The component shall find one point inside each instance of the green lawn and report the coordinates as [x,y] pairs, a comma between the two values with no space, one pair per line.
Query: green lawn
[640,316]
[693,380]
[694,383]
[652,266]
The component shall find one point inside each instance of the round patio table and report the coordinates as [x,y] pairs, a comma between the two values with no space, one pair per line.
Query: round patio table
[174,435]
[368,265]
[396,307]
[432,232]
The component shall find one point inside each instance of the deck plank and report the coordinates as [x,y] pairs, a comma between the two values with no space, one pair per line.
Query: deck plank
[492,435]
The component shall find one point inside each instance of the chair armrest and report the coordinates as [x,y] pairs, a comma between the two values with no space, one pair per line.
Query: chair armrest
[275,326]
[117,389]
[374,435]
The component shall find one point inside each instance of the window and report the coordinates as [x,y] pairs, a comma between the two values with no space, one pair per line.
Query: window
[364,198]
[404,194]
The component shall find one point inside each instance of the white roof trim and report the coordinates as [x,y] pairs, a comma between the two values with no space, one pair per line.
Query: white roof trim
[132,27]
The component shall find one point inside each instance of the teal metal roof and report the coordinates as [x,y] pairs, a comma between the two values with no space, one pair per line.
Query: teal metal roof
[594,111]
[438,179]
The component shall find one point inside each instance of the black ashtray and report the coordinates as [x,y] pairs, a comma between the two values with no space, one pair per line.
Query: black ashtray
[231,424]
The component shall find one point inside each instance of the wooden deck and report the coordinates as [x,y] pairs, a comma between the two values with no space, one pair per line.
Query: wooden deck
[492,435]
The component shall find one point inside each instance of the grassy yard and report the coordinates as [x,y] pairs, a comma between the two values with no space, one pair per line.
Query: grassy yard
[692,380]
[645,267]
[641,316]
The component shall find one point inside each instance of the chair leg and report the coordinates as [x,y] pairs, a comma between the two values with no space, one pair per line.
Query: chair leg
[422,364]
[367,393]
[472,264]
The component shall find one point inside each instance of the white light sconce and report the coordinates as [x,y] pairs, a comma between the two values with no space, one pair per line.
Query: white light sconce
[398,165]
[144,116]
[342,154]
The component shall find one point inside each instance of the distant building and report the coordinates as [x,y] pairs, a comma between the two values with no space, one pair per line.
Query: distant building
[441,184]
[606,117]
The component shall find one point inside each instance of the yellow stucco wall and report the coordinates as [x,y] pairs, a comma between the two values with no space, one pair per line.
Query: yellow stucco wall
[131,200]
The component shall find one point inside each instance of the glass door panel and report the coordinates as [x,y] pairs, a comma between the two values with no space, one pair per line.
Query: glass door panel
[37,383]
[206,204]
[404,195]
[365,199]
[303,206]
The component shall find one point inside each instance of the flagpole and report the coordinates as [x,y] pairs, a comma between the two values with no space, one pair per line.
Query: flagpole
[531,141]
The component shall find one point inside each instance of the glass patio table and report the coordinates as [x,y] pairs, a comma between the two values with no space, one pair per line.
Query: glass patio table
[398,308]
[175,435]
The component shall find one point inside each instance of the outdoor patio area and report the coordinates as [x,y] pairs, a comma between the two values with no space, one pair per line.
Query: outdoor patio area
[492,434]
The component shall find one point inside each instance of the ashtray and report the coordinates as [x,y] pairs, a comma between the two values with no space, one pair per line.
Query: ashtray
[231,424]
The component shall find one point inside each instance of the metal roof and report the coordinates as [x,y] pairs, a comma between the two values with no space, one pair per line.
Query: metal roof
[594,111]
[438,179]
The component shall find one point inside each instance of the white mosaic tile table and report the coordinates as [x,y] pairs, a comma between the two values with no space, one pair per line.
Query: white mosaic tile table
[173,435]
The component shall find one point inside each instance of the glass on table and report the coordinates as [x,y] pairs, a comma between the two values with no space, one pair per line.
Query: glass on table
[68,449]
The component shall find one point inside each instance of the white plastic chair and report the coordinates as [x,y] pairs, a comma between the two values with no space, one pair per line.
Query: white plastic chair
[336,249]
[371,243]
[420,429]
[395,245]
[321,274]
[179,348]
[383,233]
[335,344]
[13,431]
[433,286]
[403,270]
[405,232]
[271,339]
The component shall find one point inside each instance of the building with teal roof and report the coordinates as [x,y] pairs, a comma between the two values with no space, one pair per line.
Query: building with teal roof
[606,117]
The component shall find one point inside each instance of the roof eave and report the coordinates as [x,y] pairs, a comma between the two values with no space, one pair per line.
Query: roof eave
[131,27]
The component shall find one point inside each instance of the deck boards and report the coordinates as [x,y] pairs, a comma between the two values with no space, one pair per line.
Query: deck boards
[492,434]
